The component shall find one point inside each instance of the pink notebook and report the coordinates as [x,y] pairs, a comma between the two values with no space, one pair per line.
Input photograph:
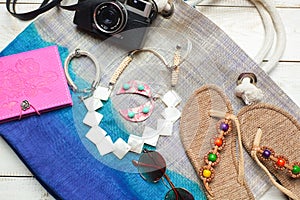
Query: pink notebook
[32,82]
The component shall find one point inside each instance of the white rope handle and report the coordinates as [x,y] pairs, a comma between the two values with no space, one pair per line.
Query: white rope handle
[280,33]
[269,16]
[269,33]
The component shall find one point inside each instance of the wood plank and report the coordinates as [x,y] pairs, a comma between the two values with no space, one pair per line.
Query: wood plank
[22,188]
[239,3]
[69,2]
[29,188]
[286,76]
[234,3]
[10,164]
[274,194]
[247,31]
[10,26]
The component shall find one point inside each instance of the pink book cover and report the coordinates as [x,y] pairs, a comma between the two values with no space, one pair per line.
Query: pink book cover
[35,76]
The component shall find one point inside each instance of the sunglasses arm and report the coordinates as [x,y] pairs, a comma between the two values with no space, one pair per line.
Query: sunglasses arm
[137,164]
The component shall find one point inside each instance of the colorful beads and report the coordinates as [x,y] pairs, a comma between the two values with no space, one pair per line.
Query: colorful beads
[224,126]
[131,114]
[280,162]
[296,169]
[266,154]
[126,86]
[206,173]
[218,142]
[146,110]
[141,87]
[212,157]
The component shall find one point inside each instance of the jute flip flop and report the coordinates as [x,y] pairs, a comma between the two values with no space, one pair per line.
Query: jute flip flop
[272,137]
[211,150]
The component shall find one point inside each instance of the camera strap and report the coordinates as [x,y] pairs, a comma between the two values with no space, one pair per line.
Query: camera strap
[44,7]
[48,4]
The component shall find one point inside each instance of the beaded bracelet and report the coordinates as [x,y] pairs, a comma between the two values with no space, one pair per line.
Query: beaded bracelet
[212,158]
[280,162]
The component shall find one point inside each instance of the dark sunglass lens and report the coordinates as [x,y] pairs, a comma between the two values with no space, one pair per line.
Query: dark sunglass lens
[179,194]
[152,166]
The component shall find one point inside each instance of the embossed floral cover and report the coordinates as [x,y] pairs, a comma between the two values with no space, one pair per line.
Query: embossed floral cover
[36,76]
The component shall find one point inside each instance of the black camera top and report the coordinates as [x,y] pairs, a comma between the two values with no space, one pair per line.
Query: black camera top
[125,21]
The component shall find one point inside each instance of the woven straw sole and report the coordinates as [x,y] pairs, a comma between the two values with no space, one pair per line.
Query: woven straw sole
[197,129]
[280,131]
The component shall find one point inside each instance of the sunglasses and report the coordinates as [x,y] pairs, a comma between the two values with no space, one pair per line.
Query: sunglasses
[152,167]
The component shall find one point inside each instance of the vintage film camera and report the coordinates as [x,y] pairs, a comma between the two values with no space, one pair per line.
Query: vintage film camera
[105,18]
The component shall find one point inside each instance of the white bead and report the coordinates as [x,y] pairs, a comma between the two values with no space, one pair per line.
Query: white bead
[105,146]
[172,114]
[121,148]
[92,104]
[164,127]
[96,134]
[136,143]
[92,118]
[171,99]
[102,93]
[150,136]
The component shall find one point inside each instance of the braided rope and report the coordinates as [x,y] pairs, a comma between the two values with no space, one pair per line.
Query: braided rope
[126,61]
[120,69]
[175,71]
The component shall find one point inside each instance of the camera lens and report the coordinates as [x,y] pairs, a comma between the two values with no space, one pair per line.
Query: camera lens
[110,17]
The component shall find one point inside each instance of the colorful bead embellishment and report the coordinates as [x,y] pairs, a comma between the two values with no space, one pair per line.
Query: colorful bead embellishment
[212,158]
[141,112]
[280,162]
[126,86]
[224,127]
[218,142]
[206,173]
[141,87]
[296,169]
[131,114]
[266,154]
[146,110]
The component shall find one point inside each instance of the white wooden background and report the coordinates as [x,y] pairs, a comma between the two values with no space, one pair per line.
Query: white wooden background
[238,18]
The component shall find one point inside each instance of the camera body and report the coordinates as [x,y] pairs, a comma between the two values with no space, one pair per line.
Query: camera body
[107,18]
